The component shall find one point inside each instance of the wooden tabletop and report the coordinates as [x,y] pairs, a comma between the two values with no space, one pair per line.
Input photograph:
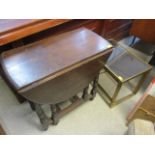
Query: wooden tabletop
[14,29]
[53,56]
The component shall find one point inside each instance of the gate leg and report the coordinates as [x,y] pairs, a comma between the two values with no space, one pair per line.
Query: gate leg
[54,115]
[94,89]
[45,121]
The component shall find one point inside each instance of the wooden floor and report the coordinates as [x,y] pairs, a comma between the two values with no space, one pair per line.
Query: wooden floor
[2,132]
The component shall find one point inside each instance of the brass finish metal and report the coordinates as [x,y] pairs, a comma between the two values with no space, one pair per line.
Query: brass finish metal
[113,99]
[116,93]
[120,80]
[140,82]
[147,112]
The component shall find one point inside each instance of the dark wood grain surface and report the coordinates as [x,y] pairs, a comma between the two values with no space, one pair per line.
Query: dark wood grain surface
[51,56]
[14,29]
[63,87]
[7,25]
[116,28]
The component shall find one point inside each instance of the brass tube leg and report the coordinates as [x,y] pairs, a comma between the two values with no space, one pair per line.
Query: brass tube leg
[113,99]
[141,81]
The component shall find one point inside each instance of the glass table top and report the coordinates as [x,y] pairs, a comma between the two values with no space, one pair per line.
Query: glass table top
[124,64]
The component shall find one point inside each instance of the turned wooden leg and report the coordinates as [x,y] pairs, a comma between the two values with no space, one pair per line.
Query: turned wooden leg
[94,88]
[32,105]
[54,115]
[45,121]
[85,93]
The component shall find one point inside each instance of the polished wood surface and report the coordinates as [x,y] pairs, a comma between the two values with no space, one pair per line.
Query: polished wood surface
[7,25]
[94,25]
[63,87]
[144,29]
[48,57]
[116,28]
[14,29]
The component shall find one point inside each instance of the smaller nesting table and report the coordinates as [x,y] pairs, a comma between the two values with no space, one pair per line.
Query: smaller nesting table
[124,66]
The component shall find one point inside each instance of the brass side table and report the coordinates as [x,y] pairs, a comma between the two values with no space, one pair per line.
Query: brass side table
[124,66]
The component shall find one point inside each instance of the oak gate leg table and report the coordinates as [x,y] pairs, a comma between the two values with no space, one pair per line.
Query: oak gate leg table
[54,70]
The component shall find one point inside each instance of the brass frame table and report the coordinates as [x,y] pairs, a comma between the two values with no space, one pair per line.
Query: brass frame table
[117,68]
